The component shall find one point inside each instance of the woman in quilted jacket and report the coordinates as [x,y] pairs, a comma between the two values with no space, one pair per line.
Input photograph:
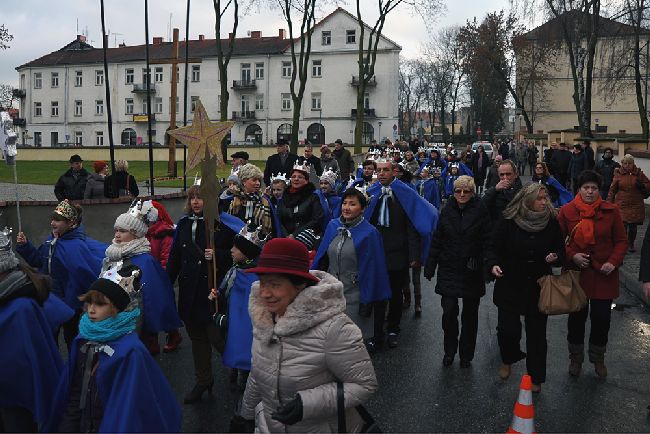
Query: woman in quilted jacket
[303,344]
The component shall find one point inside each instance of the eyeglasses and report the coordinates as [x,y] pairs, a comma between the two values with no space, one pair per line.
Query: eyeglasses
[461,191]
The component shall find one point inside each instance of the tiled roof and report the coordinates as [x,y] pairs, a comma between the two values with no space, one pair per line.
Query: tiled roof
[81,53]
[552,29]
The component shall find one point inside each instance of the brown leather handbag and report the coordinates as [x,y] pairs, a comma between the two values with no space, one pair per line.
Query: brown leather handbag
[561,294]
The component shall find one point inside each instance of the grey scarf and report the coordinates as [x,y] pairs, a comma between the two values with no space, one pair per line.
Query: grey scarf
[10,284]
[117,252]
[532,221]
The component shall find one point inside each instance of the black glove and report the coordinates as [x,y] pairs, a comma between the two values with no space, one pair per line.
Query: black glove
[289,413]
[239,424]
[429,271]
[640,185]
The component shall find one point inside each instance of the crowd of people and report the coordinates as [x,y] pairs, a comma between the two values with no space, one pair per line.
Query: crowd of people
[302,278]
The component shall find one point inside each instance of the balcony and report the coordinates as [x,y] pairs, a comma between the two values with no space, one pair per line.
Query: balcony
[243,116]
[20,122]
[367,113]
[18,93]
[243,84]
[371,83]
[143,117]
[142,88]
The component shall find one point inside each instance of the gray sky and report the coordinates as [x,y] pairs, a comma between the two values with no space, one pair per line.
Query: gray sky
[40,26]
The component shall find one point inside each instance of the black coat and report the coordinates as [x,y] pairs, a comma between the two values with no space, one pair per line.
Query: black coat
[71,187]
[644,265]
[560,161]
[274,165]
[187,264]
[314,162]
[120,181]
[300,210]
[480,174]
[605,168]
[346,163]
[521,256]
[401,240]
[497,201]
[457,249]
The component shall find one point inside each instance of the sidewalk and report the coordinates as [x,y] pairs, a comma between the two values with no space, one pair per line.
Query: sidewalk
[629,271]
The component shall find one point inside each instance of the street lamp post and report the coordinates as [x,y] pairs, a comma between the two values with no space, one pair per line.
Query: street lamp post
[379,134]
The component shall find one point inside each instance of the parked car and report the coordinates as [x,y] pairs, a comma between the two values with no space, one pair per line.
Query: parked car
[487,147]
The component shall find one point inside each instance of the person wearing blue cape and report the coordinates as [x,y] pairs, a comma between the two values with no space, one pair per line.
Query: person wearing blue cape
[427,187]
[434,160]
[111,383]
[352,251]
[30,359]
[72,259]
[450,178]
[189,262]
[329,200]
[405,222]
[557,193]
[462,167]
[130,245]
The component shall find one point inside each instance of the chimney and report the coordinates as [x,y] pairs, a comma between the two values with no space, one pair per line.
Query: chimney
[157,40]
[256,34]
[282,34]
[201,37]
[81,38]
[122,45]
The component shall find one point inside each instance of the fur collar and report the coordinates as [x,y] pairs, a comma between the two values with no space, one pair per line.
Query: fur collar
[313,305]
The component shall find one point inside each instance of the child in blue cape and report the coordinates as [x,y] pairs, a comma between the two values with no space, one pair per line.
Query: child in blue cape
[450,178]
[111,383]
[72,259]
[427,187]
[329,200]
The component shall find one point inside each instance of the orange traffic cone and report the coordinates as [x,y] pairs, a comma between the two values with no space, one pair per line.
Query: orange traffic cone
[523,420]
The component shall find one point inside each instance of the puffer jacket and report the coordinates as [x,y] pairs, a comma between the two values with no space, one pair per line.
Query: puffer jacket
[300,210]
[626,192]
[305,352]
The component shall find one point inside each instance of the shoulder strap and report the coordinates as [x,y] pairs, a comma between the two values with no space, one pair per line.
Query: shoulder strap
[340,406]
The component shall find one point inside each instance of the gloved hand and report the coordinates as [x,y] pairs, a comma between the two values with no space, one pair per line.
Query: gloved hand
[289,413]
[429,271]
[239,424]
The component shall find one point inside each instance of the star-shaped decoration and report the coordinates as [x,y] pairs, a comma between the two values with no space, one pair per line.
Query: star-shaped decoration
[200,135]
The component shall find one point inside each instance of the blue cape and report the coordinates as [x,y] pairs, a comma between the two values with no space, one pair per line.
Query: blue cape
[423,215]
[431,192]
[565,195]
[159,311]
[30,360]
[56,312]
[449,184]
[429,160]
[331,206]
[76,263]
[239,339]
[134,393]
[462,169]
[374,284]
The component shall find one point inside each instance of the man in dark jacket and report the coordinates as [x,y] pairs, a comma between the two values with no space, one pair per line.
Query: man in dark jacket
[282,162]
[559,165]
[344,158]
[577,165]
[72,184]
[402,248]
[605,168]
[497,198]
[590,156]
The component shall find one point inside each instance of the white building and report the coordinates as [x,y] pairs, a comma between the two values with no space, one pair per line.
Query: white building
[62,93]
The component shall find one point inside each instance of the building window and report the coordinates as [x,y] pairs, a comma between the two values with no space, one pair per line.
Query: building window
[54,109]
[286,69]
[144,107]
[78,138]
[259,71]
[146,76]
[193,101]
[196,73]
[158,74]
[78,108]
[99,77]
[38,109]
[326,38]
[286,101]
[99,107]
[157,105]
[38,139]
[315,101]
[350,36]
[366,101]
[129,106]
[55,79]
[128,76]
[316,68]
[99,138]
[54,138]
[38,80]
[259,102]
[245,73]
[78,78]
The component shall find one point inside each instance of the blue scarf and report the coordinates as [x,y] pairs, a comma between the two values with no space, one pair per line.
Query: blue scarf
[109,329]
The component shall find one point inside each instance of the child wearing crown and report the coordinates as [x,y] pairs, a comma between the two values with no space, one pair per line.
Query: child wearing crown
[329,200]
[111,383]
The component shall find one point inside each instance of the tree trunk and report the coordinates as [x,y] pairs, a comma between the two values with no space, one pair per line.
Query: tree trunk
[360,117]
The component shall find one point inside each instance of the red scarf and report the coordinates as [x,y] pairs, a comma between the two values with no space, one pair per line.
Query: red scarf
[583,232]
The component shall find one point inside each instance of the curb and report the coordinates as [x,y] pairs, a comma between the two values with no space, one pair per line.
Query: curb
[630,282]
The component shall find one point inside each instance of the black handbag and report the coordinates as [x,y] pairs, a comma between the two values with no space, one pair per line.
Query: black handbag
[369,424]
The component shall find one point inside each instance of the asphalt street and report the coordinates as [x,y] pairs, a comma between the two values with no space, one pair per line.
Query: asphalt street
[417,394]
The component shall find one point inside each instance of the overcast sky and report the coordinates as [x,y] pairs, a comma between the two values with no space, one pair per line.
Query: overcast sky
[40,27]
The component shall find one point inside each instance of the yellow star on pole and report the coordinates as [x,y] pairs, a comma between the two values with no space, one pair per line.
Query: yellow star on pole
[200,135]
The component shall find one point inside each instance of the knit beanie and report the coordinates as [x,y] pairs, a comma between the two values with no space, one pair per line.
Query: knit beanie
[329,176]
[119,284]
[8,260]
[233,178]
[136,219]
[248,171]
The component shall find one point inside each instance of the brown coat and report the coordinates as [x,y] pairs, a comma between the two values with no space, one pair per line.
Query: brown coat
[625,193]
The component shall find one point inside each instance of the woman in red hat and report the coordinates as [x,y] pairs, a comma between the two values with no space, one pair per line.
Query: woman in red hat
[303,340]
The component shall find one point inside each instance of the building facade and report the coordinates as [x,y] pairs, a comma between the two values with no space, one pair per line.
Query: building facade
[62,94]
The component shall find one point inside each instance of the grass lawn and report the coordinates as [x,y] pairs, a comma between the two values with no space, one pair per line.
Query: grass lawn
[48,172]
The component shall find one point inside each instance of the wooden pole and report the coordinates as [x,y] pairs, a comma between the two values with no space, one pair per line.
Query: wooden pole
[148,76]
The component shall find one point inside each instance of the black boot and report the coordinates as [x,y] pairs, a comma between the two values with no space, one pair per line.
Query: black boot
[197,392]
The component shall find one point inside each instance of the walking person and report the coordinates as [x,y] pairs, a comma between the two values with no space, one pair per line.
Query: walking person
[557,193]
[72,184]
[95,184]
[596,245]
[280,162]
[605,168]
[457,252]
[560,162]
[520,158]
[531,157]
[577,164]
[344,159]
[524,245]
[480,163]
[629,187]
[121,183]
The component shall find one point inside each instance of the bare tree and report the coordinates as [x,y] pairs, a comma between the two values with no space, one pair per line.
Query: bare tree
[224,55]
[5,37]
[6,95]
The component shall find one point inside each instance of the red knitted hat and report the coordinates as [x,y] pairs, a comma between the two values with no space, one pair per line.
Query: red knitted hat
[284,256]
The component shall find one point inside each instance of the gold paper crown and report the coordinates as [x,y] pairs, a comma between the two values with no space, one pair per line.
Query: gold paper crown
[67,211]
[254,236]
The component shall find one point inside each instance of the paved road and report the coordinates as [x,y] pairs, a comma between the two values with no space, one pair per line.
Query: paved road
[418,394]
[46,192]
